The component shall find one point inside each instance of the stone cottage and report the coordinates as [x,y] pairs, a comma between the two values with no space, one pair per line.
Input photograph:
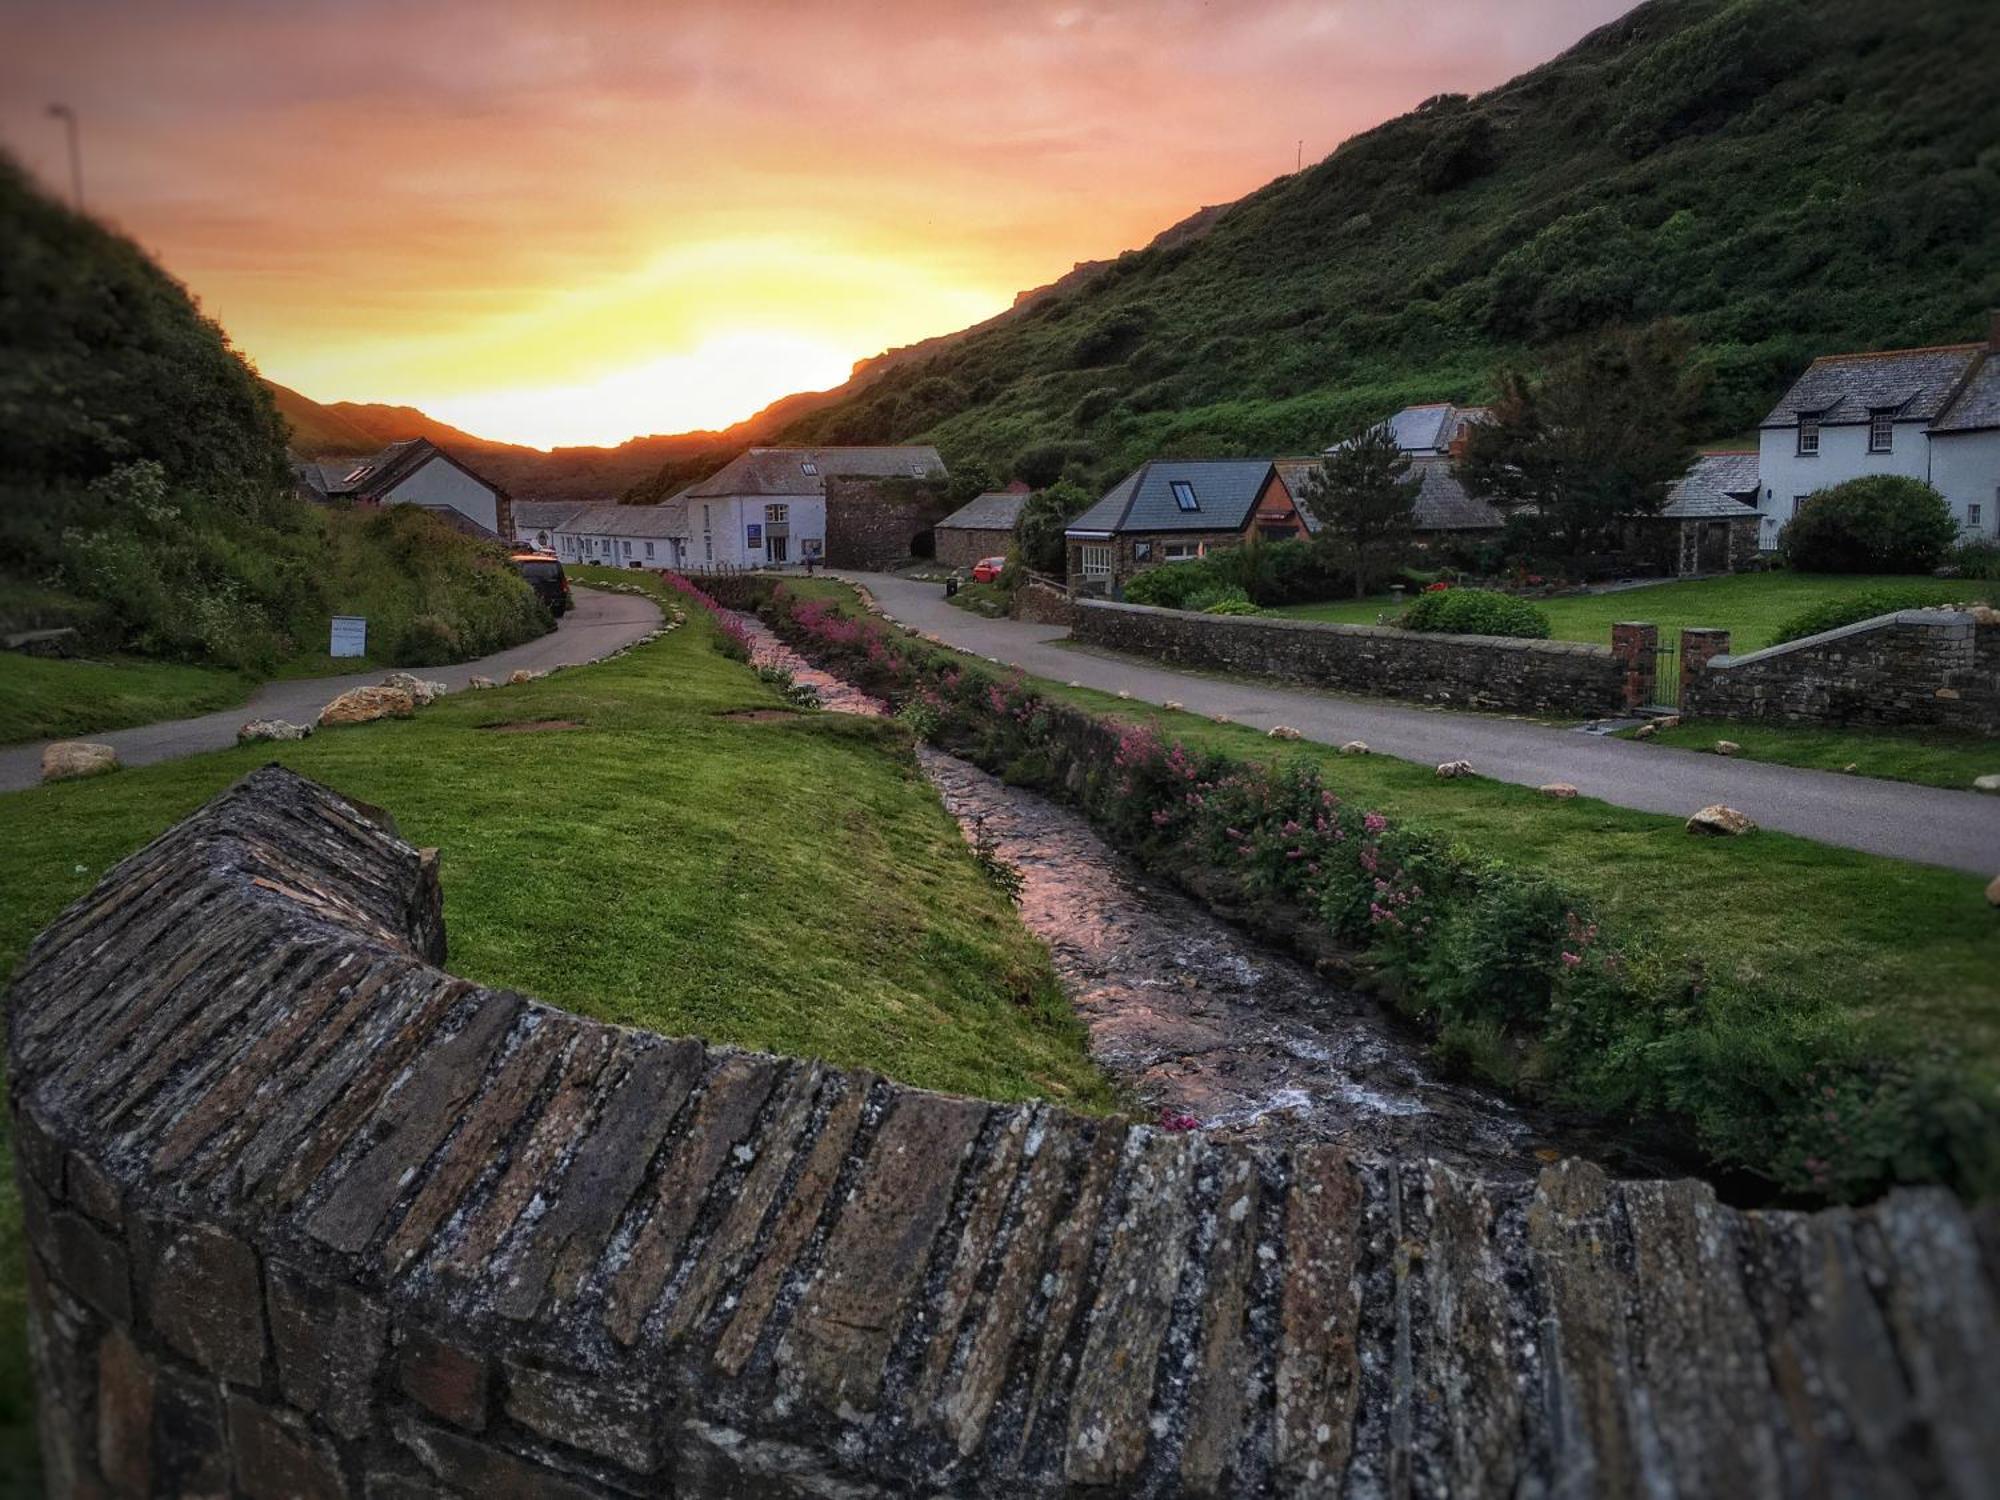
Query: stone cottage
[1170,510]
[982,527]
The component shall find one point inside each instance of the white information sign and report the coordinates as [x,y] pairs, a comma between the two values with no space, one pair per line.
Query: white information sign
[350,636]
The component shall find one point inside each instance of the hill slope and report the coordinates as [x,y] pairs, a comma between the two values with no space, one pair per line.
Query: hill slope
[1789,178]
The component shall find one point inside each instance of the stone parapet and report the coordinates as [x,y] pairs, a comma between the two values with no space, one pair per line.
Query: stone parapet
[308,1216]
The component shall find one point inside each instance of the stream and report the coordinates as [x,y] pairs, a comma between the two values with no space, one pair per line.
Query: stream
[1202,1023]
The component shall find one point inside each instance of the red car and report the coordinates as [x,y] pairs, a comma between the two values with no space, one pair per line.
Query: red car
[988,569]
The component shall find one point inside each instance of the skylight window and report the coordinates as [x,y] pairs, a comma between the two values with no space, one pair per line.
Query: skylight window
[809,467]
[1184,495]
[363,471]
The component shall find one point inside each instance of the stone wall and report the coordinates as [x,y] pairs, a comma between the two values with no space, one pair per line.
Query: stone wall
[962,546]
[309,1217]
[1042,604]
[1466,671]
[877,523]
[1920,667]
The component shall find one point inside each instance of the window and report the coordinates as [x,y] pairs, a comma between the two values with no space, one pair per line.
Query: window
[1881,432]
[1972,517]
[628,549]
[1184,495]
[1798,503]
[1095,560]
[1179,551]
[777,515]
[809,467]
[649,549]
[1808,434]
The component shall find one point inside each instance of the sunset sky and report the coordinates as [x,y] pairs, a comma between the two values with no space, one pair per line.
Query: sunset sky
[575,222]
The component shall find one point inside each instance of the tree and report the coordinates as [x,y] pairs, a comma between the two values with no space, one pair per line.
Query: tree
[1600,438]
[1881,523]
[1364,498]
[1038,534]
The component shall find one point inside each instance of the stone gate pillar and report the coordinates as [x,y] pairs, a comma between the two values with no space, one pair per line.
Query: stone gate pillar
[1634,645]
[1699,645]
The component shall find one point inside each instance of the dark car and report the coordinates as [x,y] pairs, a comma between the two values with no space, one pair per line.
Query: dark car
[546,577]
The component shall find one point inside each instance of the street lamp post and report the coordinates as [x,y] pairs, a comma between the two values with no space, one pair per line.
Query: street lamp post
[68,116]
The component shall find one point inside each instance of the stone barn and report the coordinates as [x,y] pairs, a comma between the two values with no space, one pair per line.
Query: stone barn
[983,527]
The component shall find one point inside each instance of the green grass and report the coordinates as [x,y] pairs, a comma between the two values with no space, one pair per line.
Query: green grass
[789,884]
[1750,606]
[1928,757]
[987,599]
[43,697]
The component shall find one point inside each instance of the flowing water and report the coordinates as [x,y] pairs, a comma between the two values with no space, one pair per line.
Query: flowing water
[1201,1022]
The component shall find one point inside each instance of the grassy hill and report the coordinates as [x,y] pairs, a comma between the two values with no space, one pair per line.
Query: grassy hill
[1789,178]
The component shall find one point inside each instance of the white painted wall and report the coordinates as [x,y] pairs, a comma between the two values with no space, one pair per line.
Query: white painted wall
[1963,467]
[719,535]
[440,482]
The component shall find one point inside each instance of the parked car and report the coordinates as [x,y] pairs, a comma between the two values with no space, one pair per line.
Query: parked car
[988,569]
[546,577]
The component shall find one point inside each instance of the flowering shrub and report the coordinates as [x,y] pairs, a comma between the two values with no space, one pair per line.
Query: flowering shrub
[1512,970]
[735,639]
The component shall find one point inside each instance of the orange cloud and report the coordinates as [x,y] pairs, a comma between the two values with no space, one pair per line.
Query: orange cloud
[577,221]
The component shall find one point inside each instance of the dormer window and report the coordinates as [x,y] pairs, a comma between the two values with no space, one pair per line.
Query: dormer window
[809,467]
[1881,431]
[1184,495]
[1808,434]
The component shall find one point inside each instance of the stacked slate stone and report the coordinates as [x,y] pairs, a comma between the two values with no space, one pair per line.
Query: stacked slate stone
[311,1217]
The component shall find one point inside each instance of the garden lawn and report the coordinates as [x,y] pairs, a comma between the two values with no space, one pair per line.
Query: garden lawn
[1752,607]
[1929,757]
[790,884]
[46,698]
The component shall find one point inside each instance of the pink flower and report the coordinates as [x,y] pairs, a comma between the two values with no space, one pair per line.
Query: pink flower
[1175,1120]
[1571,960]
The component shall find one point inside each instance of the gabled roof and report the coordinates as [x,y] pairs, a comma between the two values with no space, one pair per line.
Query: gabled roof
[1225,490]
[655,521]
[996,510]
[1977,407]
[546,515]
[1916,384]
[805,471]
[372,477]
[1422,431]
[1719,485]
[1442,503]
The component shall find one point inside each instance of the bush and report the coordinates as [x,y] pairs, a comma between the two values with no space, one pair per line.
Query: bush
[1476,612]
[1171,586]
[1977,560]
[1218,598]
[1230,607]
[1866,605]
[427,641]
[1885,523]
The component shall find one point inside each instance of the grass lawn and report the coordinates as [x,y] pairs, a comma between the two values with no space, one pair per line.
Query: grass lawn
[1929,757]
[1750,606]
[987,599]
[43,697]
[790,884]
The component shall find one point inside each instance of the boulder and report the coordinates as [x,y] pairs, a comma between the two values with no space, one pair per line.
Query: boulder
[1121,692]
[1986,783]
[1561,790]
[1645,731]
[522,674]
[1283,732]
[1993,891]
[1172,705]
[362,705]
[67,760]
[422,691]
[1851,766]
[1728,747]
[258,730]
[1354,747]
[1451,770]
[1671,721]
[477,683]
[1720,820]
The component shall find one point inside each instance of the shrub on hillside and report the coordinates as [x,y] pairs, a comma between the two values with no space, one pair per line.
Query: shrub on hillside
[1475,612]
[1885,523]
[1831,614]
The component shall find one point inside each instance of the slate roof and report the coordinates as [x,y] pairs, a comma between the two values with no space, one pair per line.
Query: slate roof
[782,471]
[1442,503]
[627,520]
[1977,408]
[1716,485]
[545,515]
[996,510]
[1845,388]
[1225,489]
[374,476]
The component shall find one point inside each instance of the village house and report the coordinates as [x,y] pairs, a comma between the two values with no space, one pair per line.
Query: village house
[982,527]
[1169,510]
[623,536]
[1930,414]
[1709,522]
[413,472]
[536,521]
[768,506]
[1432,436]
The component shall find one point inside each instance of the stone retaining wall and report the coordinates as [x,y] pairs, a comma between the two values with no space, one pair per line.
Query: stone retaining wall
[1465,671]
[310,1217]
[1919,667]
[1042,604]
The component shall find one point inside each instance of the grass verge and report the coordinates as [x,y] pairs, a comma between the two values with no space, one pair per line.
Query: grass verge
[1750,606]
[46,698]
[788,883]
[1928,757]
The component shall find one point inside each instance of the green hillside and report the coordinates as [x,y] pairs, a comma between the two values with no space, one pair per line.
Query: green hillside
[1790,178]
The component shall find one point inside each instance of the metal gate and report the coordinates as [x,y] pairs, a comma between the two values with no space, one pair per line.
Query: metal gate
[1666,681]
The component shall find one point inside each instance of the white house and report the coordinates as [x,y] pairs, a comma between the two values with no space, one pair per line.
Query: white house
[1931,414]
[414,472]
[768,505]
[536,521]
[623,536]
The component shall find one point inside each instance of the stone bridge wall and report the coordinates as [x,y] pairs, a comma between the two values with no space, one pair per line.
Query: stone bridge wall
[1921,667]
[310,1217]
[1465,671]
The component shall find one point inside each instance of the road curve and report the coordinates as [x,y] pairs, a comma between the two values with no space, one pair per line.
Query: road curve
[599,624]
[1959,830]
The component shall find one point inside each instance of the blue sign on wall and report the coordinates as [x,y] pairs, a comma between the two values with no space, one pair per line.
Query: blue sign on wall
[756,534]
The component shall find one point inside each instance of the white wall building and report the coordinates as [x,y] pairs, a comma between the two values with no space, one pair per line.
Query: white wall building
[1929,414]
[414,472]
[537,521]
[623,536]
[768,505]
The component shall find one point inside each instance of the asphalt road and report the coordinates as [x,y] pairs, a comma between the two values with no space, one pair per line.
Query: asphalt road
[1960,830]
[598,625]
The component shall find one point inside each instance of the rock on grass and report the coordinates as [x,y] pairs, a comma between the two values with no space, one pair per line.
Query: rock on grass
[69,760]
